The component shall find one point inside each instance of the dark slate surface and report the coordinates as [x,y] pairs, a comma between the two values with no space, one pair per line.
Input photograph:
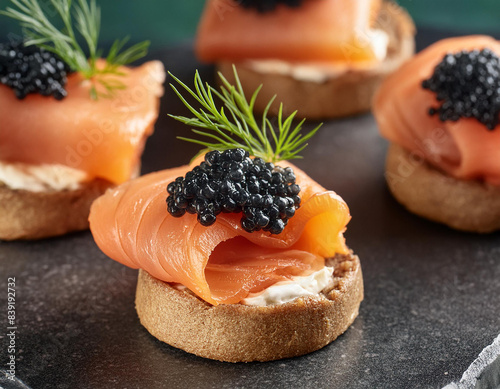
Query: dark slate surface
[431,305]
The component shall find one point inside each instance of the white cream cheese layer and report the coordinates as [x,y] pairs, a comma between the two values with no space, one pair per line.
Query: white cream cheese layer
[40,178]
[317,72]
[286,291]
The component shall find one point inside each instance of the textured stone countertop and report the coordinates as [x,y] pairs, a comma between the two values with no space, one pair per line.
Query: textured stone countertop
[432,295]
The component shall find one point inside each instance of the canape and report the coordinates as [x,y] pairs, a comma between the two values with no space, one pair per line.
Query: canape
[440,112]
[70,126]
[241,254]
[324,58]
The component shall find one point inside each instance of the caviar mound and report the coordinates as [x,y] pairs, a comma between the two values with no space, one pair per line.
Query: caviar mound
[467,84]
[30,69]
[231,182]
[264,6]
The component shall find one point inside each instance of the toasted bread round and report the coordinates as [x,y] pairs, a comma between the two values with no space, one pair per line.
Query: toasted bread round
[36,215]
[346,94]
[240,333]
[467,205]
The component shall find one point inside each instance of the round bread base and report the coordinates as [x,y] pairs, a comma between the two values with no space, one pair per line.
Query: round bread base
[36,215]
[344,95]
[240,333]
[466,205]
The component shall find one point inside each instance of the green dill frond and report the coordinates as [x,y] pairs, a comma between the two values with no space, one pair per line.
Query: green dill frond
[80,18]
[234,125]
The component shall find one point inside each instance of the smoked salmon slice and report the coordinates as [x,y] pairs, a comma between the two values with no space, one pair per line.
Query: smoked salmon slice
[318,30]
[464,149]
[104,138]
[222,263]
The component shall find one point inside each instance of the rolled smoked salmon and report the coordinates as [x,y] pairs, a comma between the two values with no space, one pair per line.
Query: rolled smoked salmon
[222,263]
[464,149]
[104,138]
[318,30]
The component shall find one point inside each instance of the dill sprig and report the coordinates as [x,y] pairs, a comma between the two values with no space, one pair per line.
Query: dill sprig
[80,17]
[239,128]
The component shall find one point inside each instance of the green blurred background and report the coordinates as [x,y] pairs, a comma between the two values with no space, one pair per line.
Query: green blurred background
[172,21]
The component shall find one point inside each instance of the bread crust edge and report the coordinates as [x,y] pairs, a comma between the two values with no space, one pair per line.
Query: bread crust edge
[239,333]
[37,215]
[467,205]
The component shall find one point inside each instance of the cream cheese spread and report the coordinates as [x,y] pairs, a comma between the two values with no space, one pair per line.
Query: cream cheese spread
[286,291]
[321,72]
[40,178]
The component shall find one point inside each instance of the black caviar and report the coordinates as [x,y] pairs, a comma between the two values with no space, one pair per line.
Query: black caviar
[468,85]
[263,6]
[231,182]
[29,69]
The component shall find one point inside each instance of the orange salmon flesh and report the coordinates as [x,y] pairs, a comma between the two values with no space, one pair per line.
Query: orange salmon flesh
[104,138]
[222,263]
[464,149]
[318,30]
